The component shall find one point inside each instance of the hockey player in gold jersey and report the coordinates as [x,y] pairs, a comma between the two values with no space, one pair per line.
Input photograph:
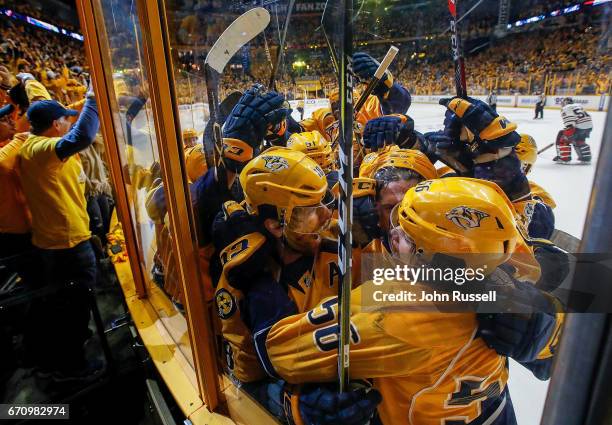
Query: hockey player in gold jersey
[389,97]
[289,206]
[384,178]
[279,240]
[536,211]
[318,148]
[430,368]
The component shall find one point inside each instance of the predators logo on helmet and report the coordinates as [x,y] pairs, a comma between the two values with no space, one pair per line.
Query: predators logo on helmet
[466,217]
[275,163]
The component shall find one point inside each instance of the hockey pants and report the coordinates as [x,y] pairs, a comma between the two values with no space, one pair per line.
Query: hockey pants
[577,139]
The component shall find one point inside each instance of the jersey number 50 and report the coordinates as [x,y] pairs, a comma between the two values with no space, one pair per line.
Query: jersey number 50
[326,338]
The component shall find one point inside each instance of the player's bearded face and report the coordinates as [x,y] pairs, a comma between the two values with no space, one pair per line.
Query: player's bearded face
[389,197]
[402,246]
[304,228]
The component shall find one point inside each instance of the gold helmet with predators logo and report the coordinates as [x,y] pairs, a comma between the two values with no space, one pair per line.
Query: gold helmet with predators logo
[370,162]
[409,159]
[527,152]
[458,217]
[313,144]
[393,156]
[284,179]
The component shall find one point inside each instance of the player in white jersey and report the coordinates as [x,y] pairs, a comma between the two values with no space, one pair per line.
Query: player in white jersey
[577,128]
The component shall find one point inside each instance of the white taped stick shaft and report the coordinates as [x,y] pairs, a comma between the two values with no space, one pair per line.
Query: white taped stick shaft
[386,62]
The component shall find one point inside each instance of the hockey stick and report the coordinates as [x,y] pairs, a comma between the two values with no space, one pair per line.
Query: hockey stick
[545,148]
[380,71]
[327,21]
[342,11]
[281,47]
[460,83]
[246,27]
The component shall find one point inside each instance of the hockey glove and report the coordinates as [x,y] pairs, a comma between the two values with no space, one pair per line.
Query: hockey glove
[365,214]
[365,67]
[537,217]
[439,146]
[554,264]
[484,123]
[397,129]
[247,124]
[243,247]
[322,404]
[524,332]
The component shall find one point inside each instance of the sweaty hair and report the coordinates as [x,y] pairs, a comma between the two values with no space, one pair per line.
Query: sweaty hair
[387,175]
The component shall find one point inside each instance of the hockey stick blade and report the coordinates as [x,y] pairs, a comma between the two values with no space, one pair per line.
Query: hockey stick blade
[380,71]
[245,28]
[545,148]
[242,30]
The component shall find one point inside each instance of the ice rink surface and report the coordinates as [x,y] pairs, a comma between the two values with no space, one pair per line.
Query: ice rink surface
[569,185]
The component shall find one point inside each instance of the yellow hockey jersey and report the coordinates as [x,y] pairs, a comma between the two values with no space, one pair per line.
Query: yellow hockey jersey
[308,280]
[429,367]
[323,120]
[539,193]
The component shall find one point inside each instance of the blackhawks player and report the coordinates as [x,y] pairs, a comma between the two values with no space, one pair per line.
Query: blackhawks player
[577,128]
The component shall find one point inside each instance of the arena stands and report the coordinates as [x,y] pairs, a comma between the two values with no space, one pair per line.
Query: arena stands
[562,55]
[55,60]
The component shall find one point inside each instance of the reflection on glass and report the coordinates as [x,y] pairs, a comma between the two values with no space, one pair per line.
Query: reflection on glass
[137,138]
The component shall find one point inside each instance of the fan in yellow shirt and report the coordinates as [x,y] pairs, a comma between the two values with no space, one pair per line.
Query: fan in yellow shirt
[14,213]
[53,182]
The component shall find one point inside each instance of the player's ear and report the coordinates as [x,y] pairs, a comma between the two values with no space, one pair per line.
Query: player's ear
[394,241]
[274,227]
[57,124]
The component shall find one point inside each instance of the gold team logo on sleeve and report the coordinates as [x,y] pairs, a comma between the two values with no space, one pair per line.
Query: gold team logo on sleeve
[466,217]
[226,306]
